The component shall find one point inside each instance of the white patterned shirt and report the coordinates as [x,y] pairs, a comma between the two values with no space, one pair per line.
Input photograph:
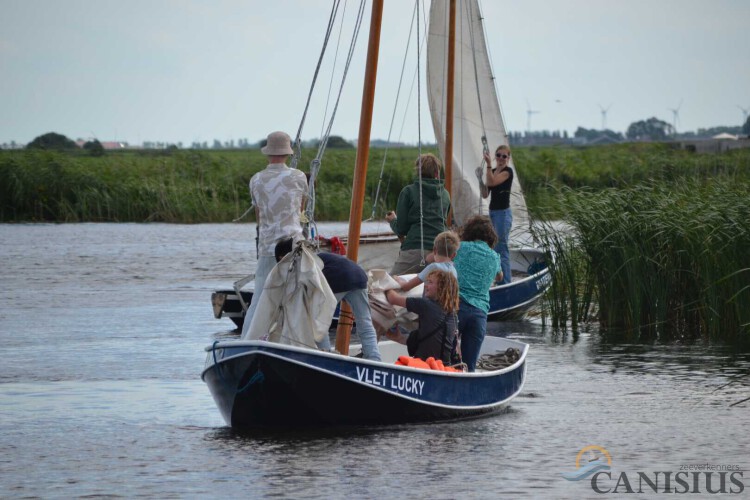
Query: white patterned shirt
[277,192]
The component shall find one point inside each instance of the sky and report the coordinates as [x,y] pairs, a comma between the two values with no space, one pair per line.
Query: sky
[197,70]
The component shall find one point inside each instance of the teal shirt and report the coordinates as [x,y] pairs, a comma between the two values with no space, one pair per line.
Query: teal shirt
[477,265]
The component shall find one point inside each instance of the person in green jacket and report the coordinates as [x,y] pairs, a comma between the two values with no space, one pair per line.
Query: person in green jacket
[415,227]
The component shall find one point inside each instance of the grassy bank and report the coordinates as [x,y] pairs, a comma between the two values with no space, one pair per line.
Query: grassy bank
[177,186]
[211,186]
[656,260]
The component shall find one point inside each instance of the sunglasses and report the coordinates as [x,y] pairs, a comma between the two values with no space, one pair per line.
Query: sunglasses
[500,155]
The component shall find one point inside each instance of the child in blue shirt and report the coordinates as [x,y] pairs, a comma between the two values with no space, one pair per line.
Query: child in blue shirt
[443,252]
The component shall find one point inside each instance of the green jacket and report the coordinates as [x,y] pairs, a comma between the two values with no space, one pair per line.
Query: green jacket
[435,201]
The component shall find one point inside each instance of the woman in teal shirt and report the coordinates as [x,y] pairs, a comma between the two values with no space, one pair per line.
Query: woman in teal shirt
[478,266]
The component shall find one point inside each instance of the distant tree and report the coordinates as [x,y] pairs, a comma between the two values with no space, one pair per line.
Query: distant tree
[652,129]
[52,140]
[594,134]
[335,141]
[746,126]
[94,147]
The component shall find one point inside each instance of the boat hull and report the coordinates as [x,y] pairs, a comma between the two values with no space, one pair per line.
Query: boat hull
[257,383]
[512,301]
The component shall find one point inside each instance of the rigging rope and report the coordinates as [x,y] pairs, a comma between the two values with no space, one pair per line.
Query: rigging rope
[297,144]
[419,144]
[485,146]
[393,119]
[297,141]
[333,69]
[315,163]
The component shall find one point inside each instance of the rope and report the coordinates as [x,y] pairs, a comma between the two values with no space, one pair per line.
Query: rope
[315,164]
[419,145]
[497,361]
[252,205]
[333,70]
[297,145]
[485,146]
[393,118]
[297,140]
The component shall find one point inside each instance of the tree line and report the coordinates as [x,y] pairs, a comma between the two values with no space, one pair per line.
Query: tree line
[651,129]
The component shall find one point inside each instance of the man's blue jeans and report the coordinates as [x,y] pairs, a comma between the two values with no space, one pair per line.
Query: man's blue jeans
[502,220]
[472,325]
[265,265]
[366,332]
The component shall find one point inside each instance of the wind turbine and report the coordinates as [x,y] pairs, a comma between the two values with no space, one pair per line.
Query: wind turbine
[604,115]
[529,112]
[744,113]
[675,116]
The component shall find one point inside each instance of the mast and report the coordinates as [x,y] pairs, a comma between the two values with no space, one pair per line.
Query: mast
[344,329]
[449,100]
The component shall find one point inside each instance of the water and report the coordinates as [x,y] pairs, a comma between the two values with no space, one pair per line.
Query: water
[102,330]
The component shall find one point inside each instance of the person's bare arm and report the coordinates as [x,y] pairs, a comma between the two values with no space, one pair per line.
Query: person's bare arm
[484,191]
[408,285]
[495,177]
[394,298]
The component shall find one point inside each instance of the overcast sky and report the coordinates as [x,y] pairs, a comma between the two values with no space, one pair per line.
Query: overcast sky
[188,70]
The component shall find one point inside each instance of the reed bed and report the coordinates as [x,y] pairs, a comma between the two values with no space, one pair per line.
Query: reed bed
[176,186]
[658,260]
[546,170]
[211,185]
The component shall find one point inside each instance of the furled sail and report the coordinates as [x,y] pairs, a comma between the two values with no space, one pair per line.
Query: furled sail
[476,111]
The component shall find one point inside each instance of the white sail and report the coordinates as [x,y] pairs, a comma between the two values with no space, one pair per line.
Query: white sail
[476,111]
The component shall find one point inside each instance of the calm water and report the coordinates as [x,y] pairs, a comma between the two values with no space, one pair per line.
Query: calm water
[102,334]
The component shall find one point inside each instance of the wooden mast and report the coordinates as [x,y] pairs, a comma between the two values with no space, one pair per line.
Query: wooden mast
[449,100]
[344,329]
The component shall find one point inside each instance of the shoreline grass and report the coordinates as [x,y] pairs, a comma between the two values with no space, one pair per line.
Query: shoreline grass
[659,261]
[192,186]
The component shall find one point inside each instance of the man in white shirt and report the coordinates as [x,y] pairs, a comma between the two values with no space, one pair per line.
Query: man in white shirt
[278,193]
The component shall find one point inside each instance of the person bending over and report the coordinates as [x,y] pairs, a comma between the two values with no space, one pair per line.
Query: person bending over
[348,282]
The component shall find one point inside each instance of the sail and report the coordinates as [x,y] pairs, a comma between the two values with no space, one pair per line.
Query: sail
[476,112]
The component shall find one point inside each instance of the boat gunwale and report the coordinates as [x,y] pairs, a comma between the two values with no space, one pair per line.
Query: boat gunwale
[351,359]
[519,364]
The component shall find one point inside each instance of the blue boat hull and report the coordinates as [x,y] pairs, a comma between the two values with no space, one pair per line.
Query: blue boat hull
[257,383]
[507,302]
[514,300]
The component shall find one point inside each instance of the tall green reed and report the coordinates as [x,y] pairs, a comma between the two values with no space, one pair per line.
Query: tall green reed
[660,260]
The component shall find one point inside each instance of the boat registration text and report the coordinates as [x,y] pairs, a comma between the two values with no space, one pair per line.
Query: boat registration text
[394,381]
